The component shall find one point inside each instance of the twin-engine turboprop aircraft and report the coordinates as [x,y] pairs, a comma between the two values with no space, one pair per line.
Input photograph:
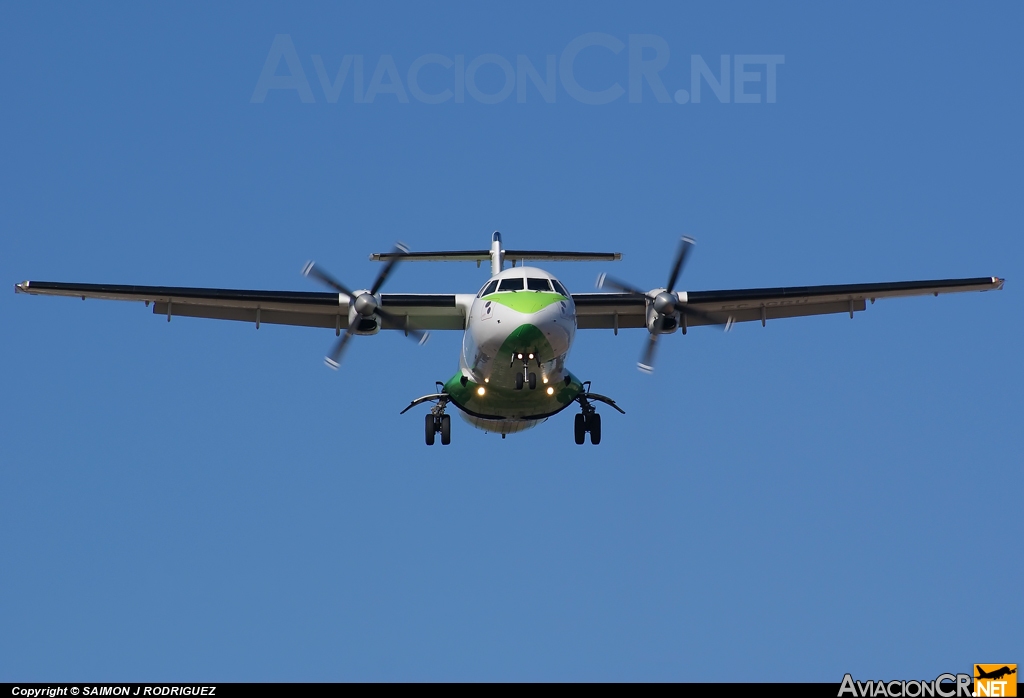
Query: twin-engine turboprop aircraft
[518,329]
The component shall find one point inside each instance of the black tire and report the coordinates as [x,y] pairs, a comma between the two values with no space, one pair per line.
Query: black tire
[446,429]
[580,429]
[519,381]
[594,427]
[430,430]
[533,381]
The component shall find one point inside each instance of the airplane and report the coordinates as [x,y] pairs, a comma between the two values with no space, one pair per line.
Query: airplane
[517,330]
[996,674]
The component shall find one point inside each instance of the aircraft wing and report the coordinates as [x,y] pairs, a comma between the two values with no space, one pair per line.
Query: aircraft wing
[615,310]
[304,308]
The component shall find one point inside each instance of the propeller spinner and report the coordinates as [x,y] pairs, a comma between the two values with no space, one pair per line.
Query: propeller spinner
[364,303]
[665,304]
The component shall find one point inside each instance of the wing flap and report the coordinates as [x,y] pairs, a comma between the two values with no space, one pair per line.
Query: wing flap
[253,315]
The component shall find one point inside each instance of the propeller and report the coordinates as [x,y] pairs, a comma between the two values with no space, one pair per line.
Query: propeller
[665,304]
[364,303]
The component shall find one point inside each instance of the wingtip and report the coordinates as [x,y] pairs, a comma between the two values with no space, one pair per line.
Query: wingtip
[424,338]
[22,287]
[331,363]
[644,368]
[307,267]
[600,280]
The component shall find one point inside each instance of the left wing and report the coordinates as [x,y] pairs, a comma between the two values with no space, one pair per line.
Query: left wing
[615,310]
[304,308]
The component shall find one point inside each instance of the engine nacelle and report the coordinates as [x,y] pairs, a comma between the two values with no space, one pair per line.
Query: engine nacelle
[366,324]
[661,324]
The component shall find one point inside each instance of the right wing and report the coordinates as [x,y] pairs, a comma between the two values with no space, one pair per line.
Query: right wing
[303,308]
[622,310]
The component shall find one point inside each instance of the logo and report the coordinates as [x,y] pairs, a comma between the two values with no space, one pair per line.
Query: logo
[995,680]
[943,686]
[642,68]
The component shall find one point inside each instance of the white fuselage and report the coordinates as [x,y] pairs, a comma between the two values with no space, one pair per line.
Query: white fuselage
[522,322]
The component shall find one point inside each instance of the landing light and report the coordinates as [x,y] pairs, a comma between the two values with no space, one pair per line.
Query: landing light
[531,357]
[487,380]
[519,356]
[480,390]
[551,391]
[545,379]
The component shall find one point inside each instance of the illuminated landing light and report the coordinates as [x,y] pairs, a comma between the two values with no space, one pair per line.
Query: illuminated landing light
[545,379]
[480,390]
[519,356]
[487,380]
[531,357]
[551,391]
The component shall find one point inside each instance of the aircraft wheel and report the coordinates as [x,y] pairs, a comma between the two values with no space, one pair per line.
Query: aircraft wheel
[533,381]
[446,429]
[430,430]
[519,381]
[594,427]
[580,429]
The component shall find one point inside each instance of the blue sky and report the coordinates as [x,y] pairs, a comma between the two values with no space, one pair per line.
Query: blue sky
[203,501]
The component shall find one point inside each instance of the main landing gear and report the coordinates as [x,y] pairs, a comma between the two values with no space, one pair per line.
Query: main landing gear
[588,421]
[527,377]
[436,422]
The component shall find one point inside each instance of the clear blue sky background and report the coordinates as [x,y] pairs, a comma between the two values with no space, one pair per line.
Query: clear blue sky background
[201,500]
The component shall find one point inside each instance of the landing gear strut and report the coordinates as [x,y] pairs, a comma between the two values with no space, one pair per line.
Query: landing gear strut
[588,421]
[437,422]
[527,377]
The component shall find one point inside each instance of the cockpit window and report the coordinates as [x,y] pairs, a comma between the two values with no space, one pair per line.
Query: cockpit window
[511,284]
[538,285]
[560,288]
[488,288]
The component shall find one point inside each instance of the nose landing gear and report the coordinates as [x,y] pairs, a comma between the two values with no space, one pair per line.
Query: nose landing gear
[588,421]
[527,377]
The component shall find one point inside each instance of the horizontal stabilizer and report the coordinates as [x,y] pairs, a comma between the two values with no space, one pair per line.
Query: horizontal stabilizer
[484,255]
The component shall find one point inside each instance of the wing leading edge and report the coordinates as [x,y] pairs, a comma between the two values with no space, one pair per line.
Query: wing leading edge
[623,310]
[302,308]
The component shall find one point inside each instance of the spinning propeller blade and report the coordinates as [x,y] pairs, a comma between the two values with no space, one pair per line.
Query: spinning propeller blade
[685,245]
[646,362]
[664,302]
[365,304]
[400,251]
[333,360]
[311,269]
[605,280]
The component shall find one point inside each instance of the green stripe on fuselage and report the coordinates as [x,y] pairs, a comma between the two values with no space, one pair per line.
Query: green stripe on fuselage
[525,301]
